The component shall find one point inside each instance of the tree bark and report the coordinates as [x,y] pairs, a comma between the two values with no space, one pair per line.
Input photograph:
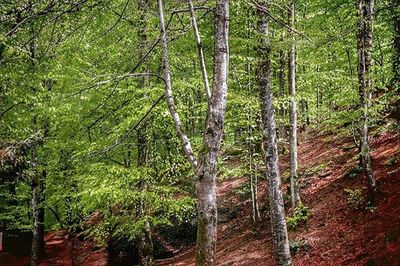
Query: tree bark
[145,245]
[187,147]
[37,212]
[200,51]
[396,52]
[294,191]
[205,168]
[282,63]
[278,222]
[365,10]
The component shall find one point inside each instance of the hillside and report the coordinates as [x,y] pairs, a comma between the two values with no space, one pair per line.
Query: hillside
[336,234]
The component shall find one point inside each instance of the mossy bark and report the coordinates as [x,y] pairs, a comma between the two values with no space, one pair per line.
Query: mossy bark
[365,11]
[275,198]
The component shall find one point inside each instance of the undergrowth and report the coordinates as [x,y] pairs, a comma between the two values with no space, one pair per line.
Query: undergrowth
[301,214]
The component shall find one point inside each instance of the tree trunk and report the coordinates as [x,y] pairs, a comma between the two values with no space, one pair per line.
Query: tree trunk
[37,212]
[200,51]
[294,191]
[365,9]
[145,245]
[396,54]
[253,180]
[205,168]
[282,63]
[278,222]
[186,145]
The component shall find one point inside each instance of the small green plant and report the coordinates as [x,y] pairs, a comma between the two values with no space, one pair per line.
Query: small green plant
[391,161]
[297,245]
[354,172]
[301,214]
[355,198]
[315,169]
[370,207]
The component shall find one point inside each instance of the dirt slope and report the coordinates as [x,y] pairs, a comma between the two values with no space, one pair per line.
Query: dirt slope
[336,234]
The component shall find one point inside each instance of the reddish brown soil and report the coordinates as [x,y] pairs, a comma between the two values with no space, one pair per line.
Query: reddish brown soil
[62,251]
[335,234]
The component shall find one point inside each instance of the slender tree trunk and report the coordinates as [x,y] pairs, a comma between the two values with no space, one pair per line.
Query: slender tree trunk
[365,10]
[37,212]
[396,52]
[253,180]
[186,145]
[200,51]
[37,199]
[278,222]
[294,191]
[145,245]
[205,168]
[282,64]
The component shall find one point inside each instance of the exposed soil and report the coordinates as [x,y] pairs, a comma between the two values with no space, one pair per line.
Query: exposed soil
[336,234]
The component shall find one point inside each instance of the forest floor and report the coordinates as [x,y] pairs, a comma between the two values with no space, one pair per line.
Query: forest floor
[336,234]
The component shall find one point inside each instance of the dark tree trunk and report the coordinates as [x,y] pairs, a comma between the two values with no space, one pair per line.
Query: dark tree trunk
[145,245]
[365,10]
[396,52]
[278,222]
[37,201]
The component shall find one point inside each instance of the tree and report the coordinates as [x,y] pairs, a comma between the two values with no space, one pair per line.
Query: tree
[277,211]
[145,246]
[205,167]
[396,48]
[294,187]
[365,11]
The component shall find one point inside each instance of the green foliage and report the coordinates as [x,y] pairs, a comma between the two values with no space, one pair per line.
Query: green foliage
[355,198]
[298,245]
[301,215]
[63,67]
[315,169]
[392,161]
[354,172]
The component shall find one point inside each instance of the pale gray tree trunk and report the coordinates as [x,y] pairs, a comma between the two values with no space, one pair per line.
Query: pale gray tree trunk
[294,190]
[278,222]
[282,64]
[200,51]
[145,246]
[253,180]
[365,10]
[186,145]
[205,168]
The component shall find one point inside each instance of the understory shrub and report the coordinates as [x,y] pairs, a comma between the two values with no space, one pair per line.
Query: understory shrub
[301,214]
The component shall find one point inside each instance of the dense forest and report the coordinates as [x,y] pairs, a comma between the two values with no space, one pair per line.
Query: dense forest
[199,132]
